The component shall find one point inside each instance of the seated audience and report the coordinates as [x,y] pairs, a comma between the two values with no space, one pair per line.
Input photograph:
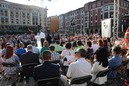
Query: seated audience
[95,46]
[35,49]
[45,47]
[47,69]
[89,50]
[58,48]
[68,51]
[115,61]
[67,56]
[10,57]
[81,67]
[100,64]
[79,46]
[55,55]
[29,57]
[20,50]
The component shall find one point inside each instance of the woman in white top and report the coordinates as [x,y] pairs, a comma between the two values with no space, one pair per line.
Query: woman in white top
[68,53]
[101,64]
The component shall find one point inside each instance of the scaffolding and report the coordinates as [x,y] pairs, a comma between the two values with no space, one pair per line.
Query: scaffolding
[116,18]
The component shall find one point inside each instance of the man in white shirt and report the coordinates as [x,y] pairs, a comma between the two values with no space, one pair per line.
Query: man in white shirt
[81,67]
[42,36]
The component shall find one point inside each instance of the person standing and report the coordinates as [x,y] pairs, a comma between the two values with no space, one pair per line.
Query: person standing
[42,36]
[49,39]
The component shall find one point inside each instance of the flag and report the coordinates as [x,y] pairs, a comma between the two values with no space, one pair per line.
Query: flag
[126,39]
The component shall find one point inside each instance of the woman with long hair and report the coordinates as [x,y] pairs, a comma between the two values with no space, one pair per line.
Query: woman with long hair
[10,57]
[100,64]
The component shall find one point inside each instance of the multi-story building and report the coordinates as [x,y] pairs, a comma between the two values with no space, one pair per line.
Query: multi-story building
[102,9]
[17,16]
[74,21]
[88,18]
[62,24]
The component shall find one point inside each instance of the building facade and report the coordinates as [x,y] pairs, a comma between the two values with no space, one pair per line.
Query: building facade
[88,18]
[74,21]
[62,29]
[17,16]
[100,10]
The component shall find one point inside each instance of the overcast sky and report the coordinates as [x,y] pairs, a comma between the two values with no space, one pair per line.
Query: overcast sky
[55,7]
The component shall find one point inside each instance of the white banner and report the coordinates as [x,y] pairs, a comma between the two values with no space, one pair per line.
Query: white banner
[106,28]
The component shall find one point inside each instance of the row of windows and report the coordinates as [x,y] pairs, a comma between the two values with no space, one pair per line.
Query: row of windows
[74,14]
[15,14]
[4,20]
[100,3]
[3,12]
[2,5]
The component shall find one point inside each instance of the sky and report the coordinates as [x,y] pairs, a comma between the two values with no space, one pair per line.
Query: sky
[55,7]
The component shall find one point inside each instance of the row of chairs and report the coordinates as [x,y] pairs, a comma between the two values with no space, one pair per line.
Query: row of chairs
[24,72]
[76,81]
[87,79]
[28,68]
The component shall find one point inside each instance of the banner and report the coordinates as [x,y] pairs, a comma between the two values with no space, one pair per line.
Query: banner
[106,28]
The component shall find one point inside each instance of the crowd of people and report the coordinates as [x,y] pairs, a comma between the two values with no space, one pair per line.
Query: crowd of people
[67,57]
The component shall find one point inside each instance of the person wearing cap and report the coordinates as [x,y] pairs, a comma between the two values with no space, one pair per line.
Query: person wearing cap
[81,67]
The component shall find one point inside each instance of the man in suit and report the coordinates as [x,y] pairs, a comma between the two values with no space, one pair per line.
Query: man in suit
[28,61]
[29,57]
[47,69]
